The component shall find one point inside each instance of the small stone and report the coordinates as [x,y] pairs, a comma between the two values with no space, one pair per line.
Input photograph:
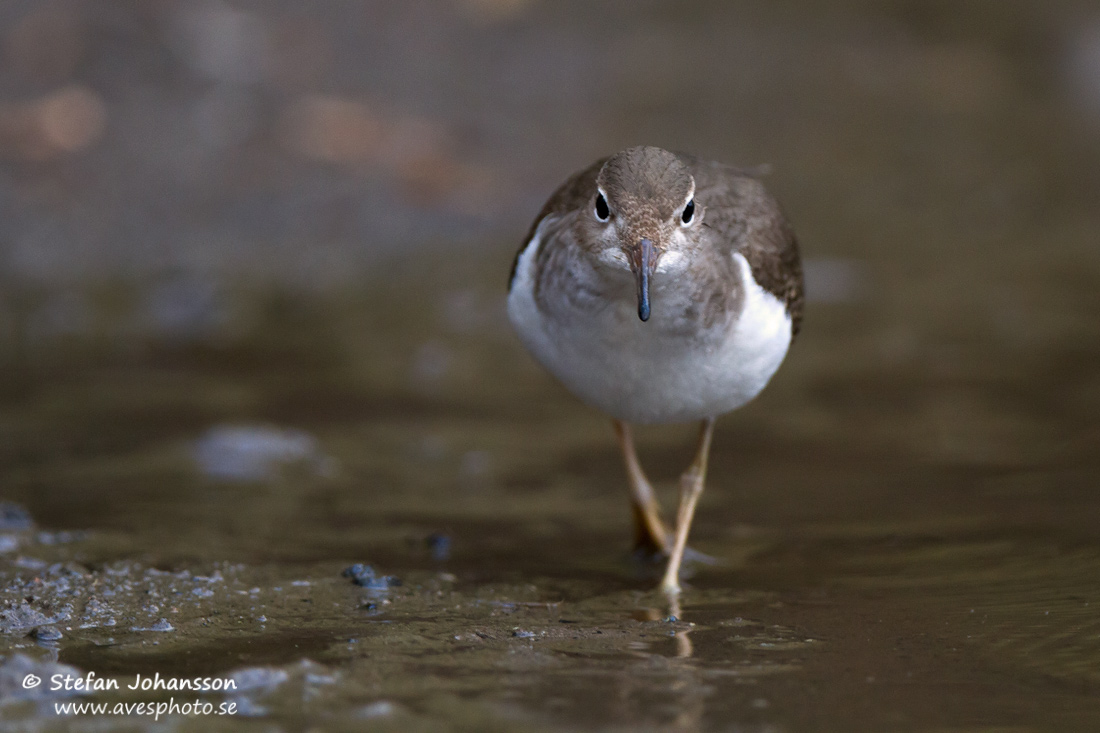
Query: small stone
[440,545]
[46,633]
[380,709]
[364,575]
[161,625]
[253,452]
[14,518]
[259,678]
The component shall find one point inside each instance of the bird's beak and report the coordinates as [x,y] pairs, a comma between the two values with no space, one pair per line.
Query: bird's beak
[643,260]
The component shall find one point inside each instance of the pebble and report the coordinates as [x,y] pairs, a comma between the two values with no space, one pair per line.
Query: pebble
[14,518]
[364,575]
[46,633]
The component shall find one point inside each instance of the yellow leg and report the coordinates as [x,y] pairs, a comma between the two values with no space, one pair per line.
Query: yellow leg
[649,531]
[691,486]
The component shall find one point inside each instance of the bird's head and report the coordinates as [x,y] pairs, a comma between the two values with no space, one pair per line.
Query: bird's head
[643,213]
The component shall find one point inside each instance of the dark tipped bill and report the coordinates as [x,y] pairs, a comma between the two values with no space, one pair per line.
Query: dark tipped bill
[643,269]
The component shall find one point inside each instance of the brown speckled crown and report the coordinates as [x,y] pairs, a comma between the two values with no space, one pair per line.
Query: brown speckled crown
[646,175]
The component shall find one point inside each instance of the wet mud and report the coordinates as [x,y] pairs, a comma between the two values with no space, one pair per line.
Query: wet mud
[263,421]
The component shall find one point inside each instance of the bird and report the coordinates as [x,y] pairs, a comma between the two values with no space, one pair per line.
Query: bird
[659,287]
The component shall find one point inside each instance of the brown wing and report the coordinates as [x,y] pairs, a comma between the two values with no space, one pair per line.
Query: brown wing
[572,194]
[745,218]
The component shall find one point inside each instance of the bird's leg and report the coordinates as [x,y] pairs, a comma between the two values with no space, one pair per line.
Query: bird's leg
[649,531]
[691,486]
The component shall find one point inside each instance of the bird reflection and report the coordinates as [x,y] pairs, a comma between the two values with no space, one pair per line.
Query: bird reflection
[676,677]
[684,649]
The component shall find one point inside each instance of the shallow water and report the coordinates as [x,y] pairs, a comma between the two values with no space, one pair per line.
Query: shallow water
[887,558]
[229,371]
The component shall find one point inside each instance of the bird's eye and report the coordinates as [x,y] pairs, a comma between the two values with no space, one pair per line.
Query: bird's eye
[602,212]
[689,212]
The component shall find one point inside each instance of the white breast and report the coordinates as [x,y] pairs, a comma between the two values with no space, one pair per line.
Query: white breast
[640,373]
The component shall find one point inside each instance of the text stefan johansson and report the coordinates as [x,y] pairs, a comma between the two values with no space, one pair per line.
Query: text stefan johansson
[93,683]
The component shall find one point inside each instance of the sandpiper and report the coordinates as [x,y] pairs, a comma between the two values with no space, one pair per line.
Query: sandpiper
[659,288]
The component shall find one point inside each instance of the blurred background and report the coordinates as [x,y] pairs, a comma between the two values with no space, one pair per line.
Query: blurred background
[253,261]
[187,149]
[219,212]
